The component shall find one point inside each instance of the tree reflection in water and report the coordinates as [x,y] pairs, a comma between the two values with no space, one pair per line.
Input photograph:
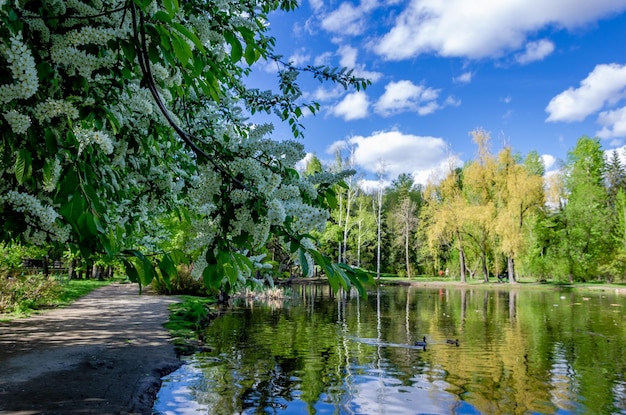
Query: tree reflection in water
[519,351]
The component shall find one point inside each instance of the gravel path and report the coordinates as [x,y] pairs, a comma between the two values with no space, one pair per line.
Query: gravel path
[104,354]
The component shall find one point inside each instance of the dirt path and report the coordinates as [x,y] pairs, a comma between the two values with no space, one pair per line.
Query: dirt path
[104,354]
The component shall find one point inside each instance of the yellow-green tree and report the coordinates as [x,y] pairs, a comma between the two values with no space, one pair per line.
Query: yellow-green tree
[519,194]
[444,215]
[478,191]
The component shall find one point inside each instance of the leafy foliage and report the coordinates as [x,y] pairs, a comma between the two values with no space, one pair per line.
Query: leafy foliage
[119,114]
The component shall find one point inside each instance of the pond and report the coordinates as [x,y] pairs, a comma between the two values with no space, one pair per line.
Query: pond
[519,351]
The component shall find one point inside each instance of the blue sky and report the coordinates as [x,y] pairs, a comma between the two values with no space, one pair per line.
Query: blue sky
[535,74]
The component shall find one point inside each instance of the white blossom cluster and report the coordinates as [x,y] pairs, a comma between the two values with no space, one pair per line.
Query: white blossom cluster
[88,137]
[253,193]
[42,219]
[45,111]
[68,50]
[169,79]
[204,190]
[23,71]
[19,122]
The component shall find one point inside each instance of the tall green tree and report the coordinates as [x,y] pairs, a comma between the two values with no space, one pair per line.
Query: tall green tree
[404,200]
[585,232]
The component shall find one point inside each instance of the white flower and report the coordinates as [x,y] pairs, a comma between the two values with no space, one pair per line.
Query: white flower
[19,122]
[87,137]
[51,108]
[23,71]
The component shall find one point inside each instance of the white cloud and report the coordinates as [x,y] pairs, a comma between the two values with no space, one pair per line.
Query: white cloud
[348,59]
[301,165]
[606,84]
[346,20]
[621,153]
[464,78]
[403,96]
[322,94]
[323,59]
[336,146]
[316,5]
[299,58]
[548,161]
[353,107]
[452,101]
[613,122]
[478,28]
[535,51]
[399,153]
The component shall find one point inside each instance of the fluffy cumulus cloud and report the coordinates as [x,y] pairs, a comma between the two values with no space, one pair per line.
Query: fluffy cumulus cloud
[535,51]
[426,158]
[348,59]
[548,161]
[348,19]
[353,106]
[613,123]
[478,29]
[605,85]
[405,96]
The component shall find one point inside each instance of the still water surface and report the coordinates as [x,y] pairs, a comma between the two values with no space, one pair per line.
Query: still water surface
[518,352]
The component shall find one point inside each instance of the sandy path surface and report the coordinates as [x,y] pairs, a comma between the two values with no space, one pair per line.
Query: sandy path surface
[104,354]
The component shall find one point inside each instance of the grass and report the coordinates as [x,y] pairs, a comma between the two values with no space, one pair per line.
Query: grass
[493,282]
[75,289]
[61,295]
[187,322]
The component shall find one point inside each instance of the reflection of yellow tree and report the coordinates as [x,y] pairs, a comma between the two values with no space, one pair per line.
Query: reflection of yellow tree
[519,194]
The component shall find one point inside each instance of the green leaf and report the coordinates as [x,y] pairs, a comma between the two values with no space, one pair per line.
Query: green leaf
[143,4]
[210,257]
[23,166]
[245,265]
[230,272]
[181,49]
[131,271]
[87,225]
[178,257]
[189,35]
[145,269]
[331,198]
[163,16]
[236,50]
[47,171]
[211,277]
[251,54]
[304,263]
[72,210]
[171,6]
[168,269]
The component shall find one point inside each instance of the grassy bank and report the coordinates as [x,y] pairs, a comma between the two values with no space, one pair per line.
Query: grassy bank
[23,296]
[494,283]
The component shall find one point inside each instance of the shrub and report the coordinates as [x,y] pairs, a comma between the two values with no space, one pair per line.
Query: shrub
[26,293]
[182,284]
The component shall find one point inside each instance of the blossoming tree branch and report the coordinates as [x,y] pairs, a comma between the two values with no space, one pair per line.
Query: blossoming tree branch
[121,117]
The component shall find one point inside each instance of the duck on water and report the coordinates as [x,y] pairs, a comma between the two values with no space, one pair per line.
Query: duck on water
[422,343]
